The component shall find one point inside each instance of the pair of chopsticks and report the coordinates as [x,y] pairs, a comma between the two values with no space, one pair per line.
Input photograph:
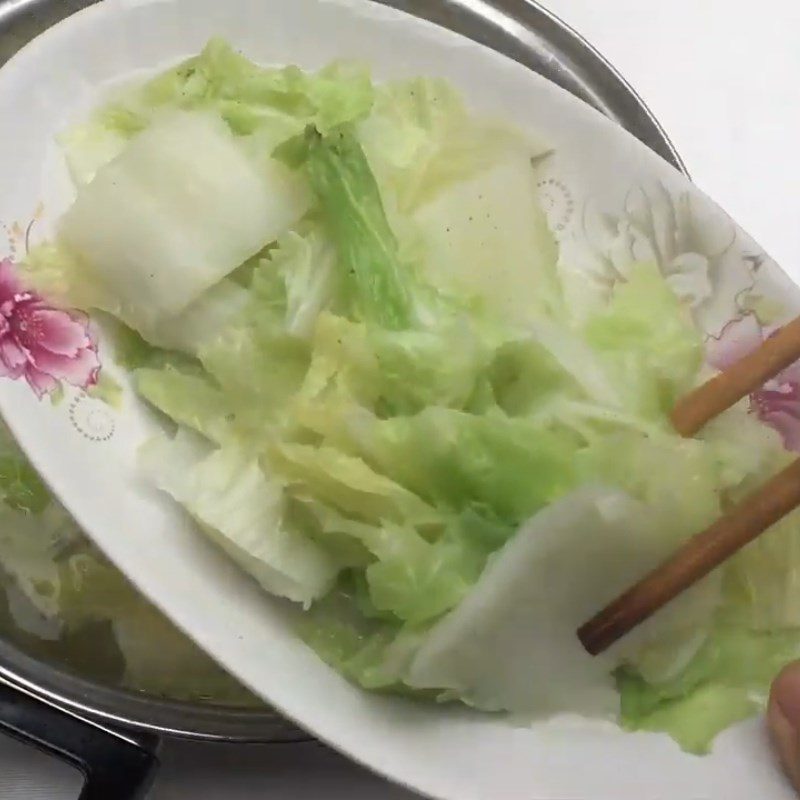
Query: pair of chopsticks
[739,526]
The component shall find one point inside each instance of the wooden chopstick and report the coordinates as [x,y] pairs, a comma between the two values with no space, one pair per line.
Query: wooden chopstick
[739,526]
[699,556]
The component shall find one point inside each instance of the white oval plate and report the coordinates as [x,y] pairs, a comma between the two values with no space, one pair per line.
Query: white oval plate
[610,200]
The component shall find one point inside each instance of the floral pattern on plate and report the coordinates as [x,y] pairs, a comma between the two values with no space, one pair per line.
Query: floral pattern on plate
[777,403]
[45,345]
[732,292]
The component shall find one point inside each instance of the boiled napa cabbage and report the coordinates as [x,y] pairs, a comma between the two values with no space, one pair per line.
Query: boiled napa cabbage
[511,644]
[379,402]
[243,511]
[263,106]
[203,320]
[487,236]
[176,212]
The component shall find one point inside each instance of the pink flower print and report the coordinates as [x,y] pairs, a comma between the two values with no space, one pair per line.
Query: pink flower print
[777,403]
[44,345]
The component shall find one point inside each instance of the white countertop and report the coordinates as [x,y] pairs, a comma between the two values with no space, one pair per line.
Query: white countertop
[721,75]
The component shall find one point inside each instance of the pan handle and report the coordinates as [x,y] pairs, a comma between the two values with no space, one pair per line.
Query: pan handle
[116,766]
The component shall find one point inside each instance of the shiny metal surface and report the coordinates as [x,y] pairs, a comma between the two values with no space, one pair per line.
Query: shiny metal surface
[531,35]
[142,712]
[522,30]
